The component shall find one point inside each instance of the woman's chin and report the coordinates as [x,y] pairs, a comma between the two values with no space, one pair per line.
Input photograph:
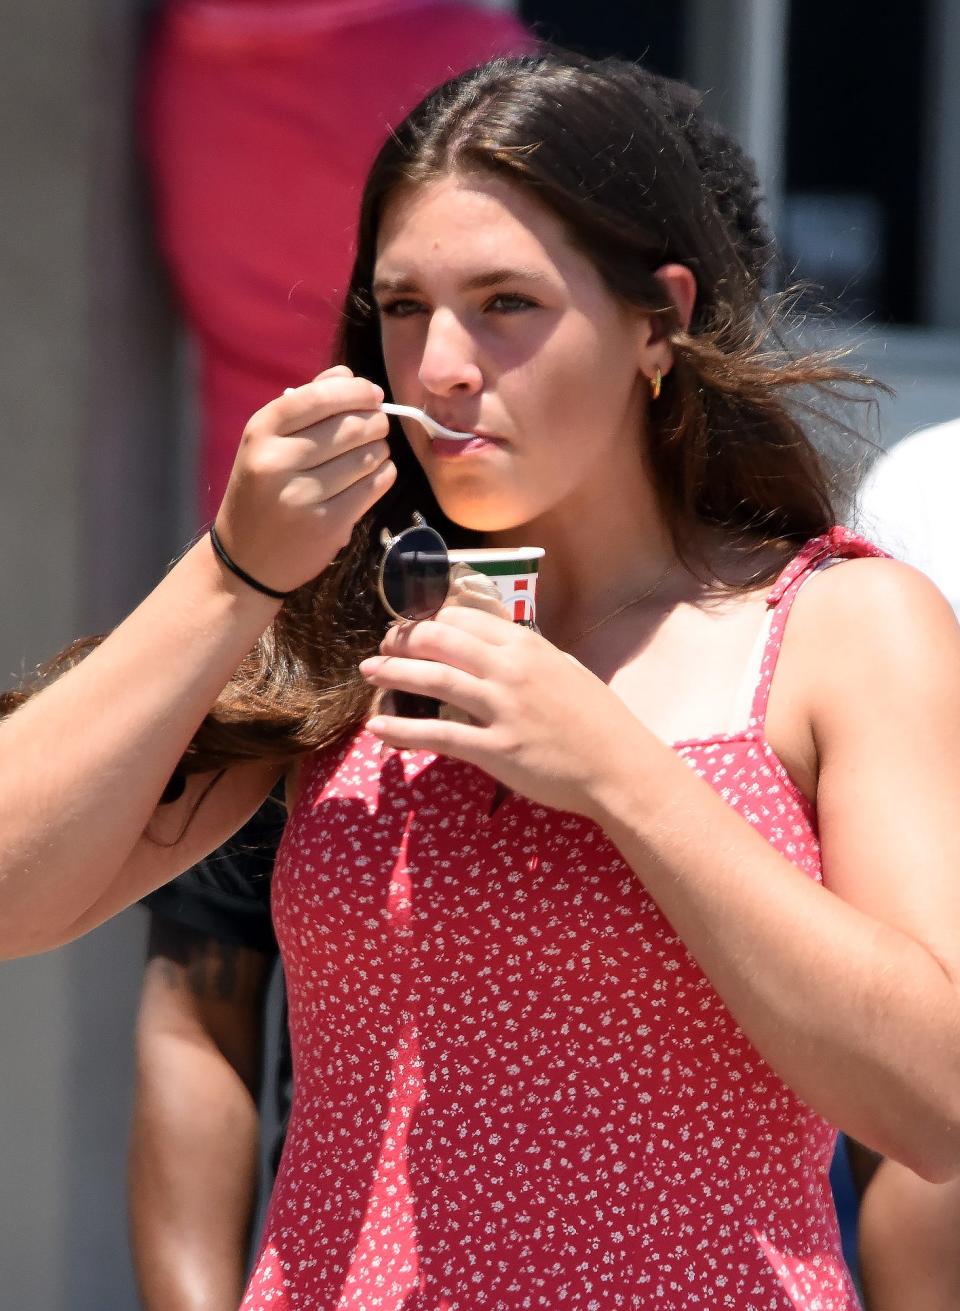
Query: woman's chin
[481,516]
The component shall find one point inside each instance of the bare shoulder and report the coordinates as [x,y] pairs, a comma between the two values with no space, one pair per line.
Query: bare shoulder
[872,598]
[874,634]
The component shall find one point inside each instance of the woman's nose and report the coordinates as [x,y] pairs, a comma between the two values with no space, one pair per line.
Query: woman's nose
[449,361]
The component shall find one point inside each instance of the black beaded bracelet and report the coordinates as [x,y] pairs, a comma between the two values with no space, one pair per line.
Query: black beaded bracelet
[242,573]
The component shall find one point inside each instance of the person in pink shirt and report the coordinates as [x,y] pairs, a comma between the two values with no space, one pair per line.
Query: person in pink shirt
[260,120]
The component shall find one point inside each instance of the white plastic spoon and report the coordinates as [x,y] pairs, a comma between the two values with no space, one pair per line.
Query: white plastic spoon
[433,428]
[411,412]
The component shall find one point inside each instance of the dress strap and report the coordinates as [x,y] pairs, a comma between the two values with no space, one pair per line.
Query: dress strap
[829,548]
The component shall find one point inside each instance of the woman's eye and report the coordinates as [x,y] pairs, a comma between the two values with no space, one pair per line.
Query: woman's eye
[400,309]
[505,303]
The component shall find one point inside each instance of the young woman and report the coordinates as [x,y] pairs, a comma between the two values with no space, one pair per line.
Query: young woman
[581,979]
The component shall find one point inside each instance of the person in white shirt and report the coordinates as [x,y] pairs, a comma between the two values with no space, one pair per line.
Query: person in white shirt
[908,504]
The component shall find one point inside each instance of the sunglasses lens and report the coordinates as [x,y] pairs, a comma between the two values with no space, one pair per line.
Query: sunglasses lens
[416,574]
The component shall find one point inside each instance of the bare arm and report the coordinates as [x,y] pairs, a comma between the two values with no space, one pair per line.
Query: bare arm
[194,1144]
[907,1240]
[118,723]
[309,466]
[851,990]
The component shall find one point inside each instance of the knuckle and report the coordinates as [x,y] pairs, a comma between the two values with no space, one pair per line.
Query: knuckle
[507,744]
[430,641]
[261,461]
[406,639]
[373,454]
[430,629]
[372,484]
[254,432]
[351,428]
[294,496]
[446,684]
[383,478]
[443,738]
[511,670]
[453,615]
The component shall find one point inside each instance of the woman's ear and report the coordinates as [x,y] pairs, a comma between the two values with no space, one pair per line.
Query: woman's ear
[680,286]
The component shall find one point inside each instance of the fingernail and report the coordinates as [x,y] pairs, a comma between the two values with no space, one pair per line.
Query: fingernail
[288,391]
[380,392]
[370,665]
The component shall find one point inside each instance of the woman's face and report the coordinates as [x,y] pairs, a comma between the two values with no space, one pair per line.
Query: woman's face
[495,324]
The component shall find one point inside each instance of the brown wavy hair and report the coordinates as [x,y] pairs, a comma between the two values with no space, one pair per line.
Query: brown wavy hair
[639,178]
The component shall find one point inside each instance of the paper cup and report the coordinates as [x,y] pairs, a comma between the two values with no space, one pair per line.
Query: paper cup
[514,570]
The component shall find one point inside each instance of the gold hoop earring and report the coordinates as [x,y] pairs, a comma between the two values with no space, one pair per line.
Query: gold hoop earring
[656,385]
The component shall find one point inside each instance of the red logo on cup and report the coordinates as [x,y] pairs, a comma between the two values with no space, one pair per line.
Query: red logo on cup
[523,607]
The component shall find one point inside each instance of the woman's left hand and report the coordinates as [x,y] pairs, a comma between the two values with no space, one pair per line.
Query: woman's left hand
[540,722]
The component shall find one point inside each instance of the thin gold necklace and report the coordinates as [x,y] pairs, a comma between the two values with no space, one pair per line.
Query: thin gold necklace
[634,600]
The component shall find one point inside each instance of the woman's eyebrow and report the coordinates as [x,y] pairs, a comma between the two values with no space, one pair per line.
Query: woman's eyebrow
[495,277]
[488,278]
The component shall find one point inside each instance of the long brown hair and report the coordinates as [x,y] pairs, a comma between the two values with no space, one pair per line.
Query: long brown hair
[639,178]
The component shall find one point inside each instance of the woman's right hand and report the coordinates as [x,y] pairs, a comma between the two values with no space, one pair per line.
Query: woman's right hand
[310,464]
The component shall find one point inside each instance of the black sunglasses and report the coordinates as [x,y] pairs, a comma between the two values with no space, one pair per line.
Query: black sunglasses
[414,575]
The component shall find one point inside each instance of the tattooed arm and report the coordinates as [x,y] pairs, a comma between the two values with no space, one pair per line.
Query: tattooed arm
[195,1139]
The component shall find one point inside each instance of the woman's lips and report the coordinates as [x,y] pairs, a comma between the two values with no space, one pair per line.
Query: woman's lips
[479,442]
